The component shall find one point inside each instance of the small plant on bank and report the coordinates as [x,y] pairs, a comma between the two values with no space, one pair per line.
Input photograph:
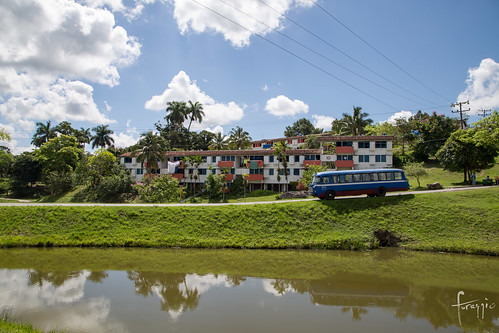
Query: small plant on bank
[416,170]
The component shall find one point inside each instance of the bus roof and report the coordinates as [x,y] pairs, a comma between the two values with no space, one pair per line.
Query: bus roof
[342,172]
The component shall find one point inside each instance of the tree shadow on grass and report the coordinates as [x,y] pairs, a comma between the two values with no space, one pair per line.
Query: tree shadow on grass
[363,203]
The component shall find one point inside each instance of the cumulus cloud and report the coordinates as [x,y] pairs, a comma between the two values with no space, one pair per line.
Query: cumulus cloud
[198,18]
[128,138]
[281,106]
[323,122]
[402,114]
[482,86]
[181,88]
[118,6]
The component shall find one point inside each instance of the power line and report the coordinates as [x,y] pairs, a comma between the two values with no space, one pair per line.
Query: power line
[344,53]
[298,57]
[379,52]
[319,54]
[460,110]
[484,113]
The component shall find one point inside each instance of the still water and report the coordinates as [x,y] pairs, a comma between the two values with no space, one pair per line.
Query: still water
[177,290]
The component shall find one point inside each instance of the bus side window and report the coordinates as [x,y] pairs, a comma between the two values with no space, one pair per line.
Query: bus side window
[349,178]
[398,175]
[334,179]
[374,177]
[382,176]
[357,177]
[342,179]
[366,177]
[389,176]
[325,180]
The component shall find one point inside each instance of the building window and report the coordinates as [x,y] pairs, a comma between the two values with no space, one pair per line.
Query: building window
[363,158]
[128,160]
[364,144]
[380,144]
[202,172]
[228,158]
[140,171]
[290,142]
[271,172]
[214,171]
[257,145]
[301,140]
[344,157]
[297,158]
[214,159]
[344,143]
[296,172]
[380,158]
[256,158]
[256,171]
[287,158]
[312,157]
[271,159]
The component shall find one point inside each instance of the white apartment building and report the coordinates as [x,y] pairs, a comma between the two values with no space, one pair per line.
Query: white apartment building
[261,165]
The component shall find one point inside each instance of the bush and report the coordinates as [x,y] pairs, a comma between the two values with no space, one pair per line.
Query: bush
[58,182]
[111,188]
[161,189]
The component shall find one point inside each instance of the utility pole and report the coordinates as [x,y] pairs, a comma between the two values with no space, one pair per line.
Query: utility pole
[484,113]
[460,110]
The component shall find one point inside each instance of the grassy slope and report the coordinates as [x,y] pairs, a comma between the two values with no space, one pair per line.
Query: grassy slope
[458,222]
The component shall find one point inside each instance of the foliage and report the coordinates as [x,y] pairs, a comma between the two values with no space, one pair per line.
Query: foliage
[219,142]
[102,136]
[150,149]
[239,138]
[6,161]
[312,142]
[100,165]
[161,189]
[26,169]
[4,136]
[434,130]
[306,179]
[280,151]
[195,110]
[112,187]
[58,182]
[213,186]
[177,113]
[43,133]
[201,141]
[301,127]
[60,154]
[353,124]
[416,170]
[380,128]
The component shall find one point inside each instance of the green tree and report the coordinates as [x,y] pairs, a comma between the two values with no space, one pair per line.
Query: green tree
[416,170]
[64,127]
[434,131]
[4,136]
[194,161]
[100,165]
[177,114]
[26,170]
[150,149]
[60,154]
[301,127]
[281,153]
[162,189]
[353,124]
[6,160]
[219,142]
[239,138]
[312,142]
[102,136]
[195,111]
[306,179]
[43,133]
[201,141]
[380,128]
[83,136]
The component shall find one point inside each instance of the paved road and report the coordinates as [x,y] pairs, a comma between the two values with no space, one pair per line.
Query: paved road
[454,189]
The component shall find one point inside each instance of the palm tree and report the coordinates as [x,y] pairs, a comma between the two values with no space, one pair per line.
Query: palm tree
[196,112]
[177,113]
[280,152]
[239,138]
[102,137]
[43,134]
[354,124]
[219,142]
[83,136]
[150,149]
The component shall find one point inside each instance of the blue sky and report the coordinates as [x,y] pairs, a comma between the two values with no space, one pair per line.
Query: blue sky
[118,62]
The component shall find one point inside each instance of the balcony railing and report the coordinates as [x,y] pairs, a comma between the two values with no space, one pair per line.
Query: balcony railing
[308,163]
[344,150]
[254,164]
[255,177]
[344,164]
[225,164]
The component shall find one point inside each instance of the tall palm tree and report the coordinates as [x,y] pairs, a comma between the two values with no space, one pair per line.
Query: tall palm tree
[239,138]
[355,124]
[219,142]
[43,133]
[83,136]
[150,149]
[102,137]
[177,113]
[196,112]
[281,152]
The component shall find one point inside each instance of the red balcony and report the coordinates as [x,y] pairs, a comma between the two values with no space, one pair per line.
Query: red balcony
[344,164]
[225,164]
[259,164]
[255,177]
[307,163]
[179,176]
[344,150]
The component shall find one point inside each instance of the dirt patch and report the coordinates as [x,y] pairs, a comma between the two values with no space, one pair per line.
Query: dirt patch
[387,238]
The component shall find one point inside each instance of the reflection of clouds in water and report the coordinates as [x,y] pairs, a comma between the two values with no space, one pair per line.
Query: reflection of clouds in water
[270,287]
[50,307]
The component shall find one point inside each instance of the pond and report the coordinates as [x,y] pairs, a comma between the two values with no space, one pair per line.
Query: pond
[183,290]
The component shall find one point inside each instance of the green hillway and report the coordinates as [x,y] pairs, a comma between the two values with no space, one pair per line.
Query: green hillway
[466,221]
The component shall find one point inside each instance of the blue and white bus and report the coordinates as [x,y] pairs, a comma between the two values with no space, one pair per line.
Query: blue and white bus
[373,182]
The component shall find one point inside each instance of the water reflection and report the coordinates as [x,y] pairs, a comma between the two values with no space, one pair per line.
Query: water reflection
[99,300]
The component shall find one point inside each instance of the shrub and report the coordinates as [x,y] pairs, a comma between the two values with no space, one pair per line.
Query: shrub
[161,189]
[58,182]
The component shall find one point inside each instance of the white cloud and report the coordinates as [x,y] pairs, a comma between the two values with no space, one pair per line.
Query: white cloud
[281,106]
[402,114]
[192,16]
[265,87]
[117,6]
[181,88]
[323,122]
[482,86]
[127,139]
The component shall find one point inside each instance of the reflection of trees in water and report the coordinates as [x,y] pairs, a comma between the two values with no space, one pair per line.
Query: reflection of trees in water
[283,285]
[235,280]
[57,279]
[356,311]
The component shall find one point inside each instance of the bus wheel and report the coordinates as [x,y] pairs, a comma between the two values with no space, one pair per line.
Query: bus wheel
[330,195]
[381,191]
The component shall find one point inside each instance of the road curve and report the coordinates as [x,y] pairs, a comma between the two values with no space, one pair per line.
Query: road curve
[24,204]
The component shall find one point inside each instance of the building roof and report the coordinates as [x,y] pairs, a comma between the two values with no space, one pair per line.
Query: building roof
[329,137]
[241,152]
